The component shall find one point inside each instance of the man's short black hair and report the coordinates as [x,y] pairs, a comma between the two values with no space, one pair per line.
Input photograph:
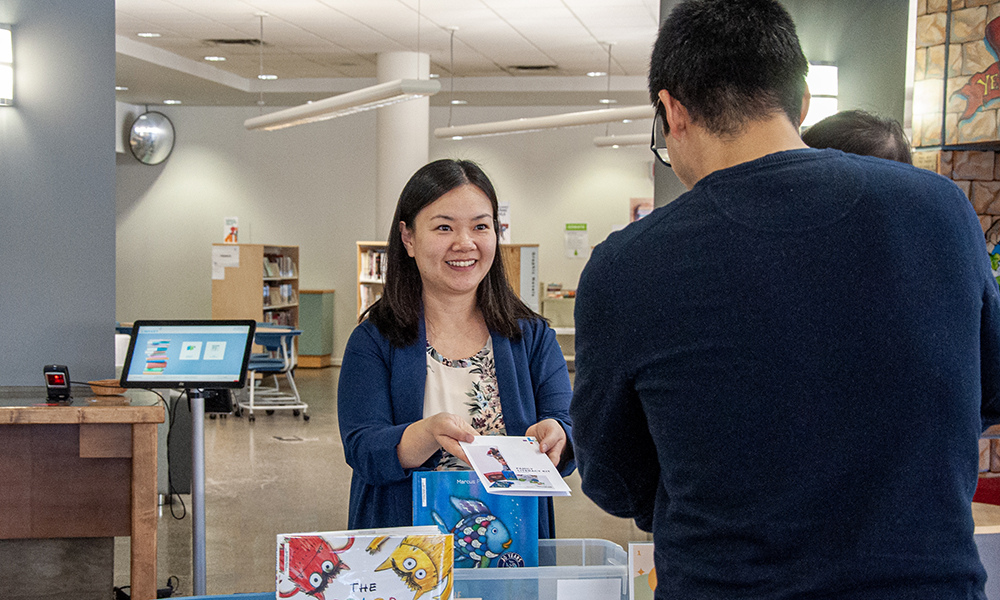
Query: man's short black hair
[730,62]
[860,132]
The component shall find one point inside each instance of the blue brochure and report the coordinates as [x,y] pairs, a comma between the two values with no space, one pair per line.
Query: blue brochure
[489,530]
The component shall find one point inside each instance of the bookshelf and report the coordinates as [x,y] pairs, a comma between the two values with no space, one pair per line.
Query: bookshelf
[371,273]
[520,262]
[256,281]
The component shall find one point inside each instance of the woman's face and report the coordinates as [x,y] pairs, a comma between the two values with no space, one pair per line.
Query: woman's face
[453,242]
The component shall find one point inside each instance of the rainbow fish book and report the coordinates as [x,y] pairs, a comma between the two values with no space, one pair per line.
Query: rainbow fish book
[489,530]
[405,563]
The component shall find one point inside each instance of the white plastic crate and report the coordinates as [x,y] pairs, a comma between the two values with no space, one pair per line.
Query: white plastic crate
[568,561]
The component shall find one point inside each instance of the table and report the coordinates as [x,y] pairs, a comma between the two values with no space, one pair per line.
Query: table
[82,470]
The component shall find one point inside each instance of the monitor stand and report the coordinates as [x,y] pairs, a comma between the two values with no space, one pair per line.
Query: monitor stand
[197,400]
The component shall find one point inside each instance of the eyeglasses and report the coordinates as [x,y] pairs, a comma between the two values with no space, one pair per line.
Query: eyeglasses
[658,143]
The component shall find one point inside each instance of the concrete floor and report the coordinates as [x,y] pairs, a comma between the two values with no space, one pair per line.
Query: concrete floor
[285,475]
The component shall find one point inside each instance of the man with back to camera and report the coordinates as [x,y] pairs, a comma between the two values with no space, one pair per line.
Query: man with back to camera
[783,374]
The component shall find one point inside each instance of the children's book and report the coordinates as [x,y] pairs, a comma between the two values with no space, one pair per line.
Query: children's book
[489,530]
[642,572]
[514,466]
[405,563]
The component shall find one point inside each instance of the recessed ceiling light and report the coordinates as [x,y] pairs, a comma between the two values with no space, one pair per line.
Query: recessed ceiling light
[459,102]
[596,74]
[148,35]
[121,88]
[433,75]
[215,58]
[171,101]
[608,101]
[267,77]
[456,137]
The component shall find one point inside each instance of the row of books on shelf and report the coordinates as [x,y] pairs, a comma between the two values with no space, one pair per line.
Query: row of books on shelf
[279,318]
[280,295]
[373,265]
[279,266]
[369,296]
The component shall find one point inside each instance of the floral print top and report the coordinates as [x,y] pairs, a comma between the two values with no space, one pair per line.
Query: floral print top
[466,387]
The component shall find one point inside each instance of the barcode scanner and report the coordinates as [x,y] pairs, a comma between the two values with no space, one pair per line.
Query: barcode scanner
[57,382]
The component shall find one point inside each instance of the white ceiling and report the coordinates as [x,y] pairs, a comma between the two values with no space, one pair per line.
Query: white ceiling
[321,47]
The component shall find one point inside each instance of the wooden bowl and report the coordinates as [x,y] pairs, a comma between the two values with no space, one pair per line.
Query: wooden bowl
[106,387]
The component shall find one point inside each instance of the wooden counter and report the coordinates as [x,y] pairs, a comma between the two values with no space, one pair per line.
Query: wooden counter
[82,470]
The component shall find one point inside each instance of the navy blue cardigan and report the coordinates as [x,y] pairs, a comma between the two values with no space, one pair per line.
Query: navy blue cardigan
[381,392]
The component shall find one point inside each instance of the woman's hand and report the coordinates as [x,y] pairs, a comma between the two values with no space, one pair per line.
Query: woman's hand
[551,438]
[422,439]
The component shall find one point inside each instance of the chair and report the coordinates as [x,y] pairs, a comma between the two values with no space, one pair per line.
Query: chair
[278,358]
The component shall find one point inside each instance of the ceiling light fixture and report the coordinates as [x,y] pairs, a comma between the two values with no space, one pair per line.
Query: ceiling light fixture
[459,102]
[375,96]
[596,74]
[577,119]
[348,103]
[148,35]
[121,88]
[171,101]
[215,58]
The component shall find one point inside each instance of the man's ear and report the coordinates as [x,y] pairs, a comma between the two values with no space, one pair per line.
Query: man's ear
[407,237]
[678,117]
[806,98]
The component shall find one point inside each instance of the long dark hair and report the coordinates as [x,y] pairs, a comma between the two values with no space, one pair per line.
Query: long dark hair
[397,313]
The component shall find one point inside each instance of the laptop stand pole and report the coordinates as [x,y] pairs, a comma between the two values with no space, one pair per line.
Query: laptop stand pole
[198,489]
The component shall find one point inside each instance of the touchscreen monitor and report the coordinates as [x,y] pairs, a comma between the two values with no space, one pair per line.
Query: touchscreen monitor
[188,354]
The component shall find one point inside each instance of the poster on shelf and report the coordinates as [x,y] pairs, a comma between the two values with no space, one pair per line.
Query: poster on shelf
[503,218]
[231,230]
[223,257]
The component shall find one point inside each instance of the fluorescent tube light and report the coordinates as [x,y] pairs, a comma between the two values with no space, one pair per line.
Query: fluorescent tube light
[348,103]
[6,67]
[588,117]
[613,141]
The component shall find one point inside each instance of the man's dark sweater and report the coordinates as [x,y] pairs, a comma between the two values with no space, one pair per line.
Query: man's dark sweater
[784,373]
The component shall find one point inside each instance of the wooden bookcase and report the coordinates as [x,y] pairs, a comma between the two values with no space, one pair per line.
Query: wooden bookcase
[246,290]
[520,261]
[371,273]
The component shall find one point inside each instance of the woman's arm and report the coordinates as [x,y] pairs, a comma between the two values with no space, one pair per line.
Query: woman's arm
[367,411]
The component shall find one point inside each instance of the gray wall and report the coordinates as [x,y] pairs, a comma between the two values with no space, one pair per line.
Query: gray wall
[57,169]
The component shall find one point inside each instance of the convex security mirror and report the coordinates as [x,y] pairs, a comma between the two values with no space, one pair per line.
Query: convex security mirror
[151,138]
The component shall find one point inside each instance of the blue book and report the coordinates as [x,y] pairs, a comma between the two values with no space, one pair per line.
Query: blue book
[489,530]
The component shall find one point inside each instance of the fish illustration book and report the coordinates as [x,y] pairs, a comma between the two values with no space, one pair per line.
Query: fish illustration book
[489,530]
[405,563]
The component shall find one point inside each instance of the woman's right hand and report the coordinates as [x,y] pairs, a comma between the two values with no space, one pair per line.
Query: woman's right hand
[423,438]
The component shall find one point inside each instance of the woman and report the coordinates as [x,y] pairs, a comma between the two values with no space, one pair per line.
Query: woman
[447,353]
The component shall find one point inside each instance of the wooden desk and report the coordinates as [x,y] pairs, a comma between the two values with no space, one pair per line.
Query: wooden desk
[80,471]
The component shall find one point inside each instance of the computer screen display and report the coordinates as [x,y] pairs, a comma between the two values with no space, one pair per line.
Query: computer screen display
[188,354]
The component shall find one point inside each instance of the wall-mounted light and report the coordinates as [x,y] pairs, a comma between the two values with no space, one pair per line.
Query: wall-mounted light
[823,89]
[6,66]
